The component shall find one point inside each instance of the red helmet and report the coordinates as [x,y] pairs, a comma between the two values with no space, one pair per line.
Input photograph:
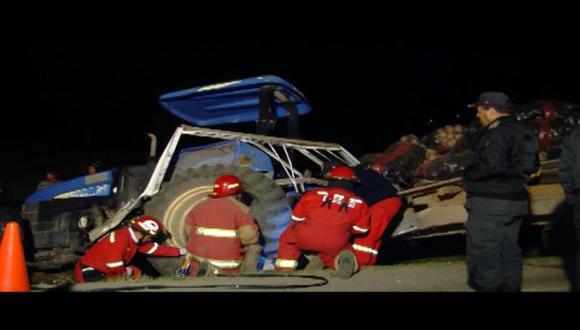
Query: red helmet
[148,225]
[341,172]
[226,185]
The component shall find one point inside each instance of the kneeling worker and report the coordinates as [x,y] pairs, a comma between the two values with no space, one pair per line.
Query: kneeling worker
[324,221]
[223,234]
[111,256]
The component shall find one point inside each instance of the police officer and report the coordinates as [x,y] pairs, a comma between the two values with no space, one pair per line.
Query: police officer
[94,167]
[51,178]
[570,180]
[495,180]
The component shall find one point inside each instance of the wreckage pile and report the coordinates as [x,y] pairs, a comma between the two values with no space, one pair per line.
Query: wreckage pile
[444,153]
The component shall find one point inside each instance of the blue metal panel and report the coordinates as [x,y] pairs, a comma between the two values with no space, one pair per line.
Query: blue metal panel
[98,184]
[204,147]
[261,162]
[230,102]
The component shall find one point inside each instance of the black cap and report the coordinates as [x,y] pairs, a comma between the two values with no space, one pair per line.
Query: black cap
[97,164]
[500,101]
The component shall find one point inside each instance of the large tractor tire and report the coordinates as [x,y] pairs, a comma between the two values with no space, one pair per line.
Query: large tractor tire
[270,207]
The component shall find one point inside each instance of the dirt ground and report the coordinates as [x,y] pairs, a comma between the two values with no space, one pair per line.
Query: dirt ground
[541,274]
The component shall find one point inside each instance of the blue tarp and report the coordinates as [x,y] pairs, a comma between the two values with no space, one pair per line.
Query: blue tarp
[229,102]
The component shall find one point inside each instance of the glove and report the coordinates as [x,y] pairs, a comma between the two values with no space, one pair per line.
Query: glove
[184,270]
[182,251]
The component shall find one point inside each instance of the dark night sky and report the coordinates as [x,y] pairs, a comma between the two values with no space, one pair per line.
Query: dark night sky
[68,99]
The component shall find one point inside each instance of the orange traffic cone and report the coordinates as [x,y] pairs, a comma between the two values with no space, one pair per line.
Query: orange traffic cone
[13,274]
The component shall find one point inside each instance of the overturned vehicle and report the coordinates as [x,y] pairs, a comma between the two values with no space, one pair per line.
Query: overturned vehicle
[65,219]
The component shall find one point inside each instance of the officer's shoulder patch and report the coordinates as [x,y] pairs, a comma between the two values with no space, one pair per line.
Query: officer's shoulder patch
[494,124]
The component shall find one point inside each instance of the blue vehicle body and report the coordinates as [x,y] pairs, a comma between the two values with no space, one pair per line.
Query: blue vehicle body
[260,161]
[95,185]
[231,102]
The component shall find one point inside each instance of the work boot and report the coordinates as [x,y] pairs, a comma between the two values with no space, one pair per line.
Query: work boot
[202,268]
[250,262]
[345,264]
[314,263]
[206,269]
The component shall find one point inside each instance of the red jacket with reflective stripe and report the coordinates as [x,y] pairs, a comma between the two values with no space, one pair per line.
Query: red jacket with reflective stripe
[221,216]
[327,217]
[112,253]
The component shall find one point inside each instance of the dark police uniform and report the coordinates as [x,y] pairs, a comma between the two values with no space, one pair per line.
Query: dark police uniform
[504,156]
[570,180]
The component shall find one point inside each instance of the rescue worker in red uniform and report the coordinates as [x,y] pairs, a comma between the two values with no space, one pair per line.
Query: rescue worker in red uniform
[384,204]
[223,234]
[112,254]
[323,223]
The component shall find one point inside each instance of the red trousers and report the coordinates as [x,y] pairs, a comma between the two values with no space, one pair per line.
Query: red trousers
[366,247]
[95,275]
[290,247]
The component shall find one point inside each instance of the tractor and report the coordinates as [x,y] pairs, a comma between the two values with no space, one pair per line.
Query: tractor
[66,218]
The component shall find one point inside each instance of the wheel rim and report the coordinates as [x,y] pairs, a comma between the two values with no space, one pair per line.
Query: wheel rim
[174,217]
